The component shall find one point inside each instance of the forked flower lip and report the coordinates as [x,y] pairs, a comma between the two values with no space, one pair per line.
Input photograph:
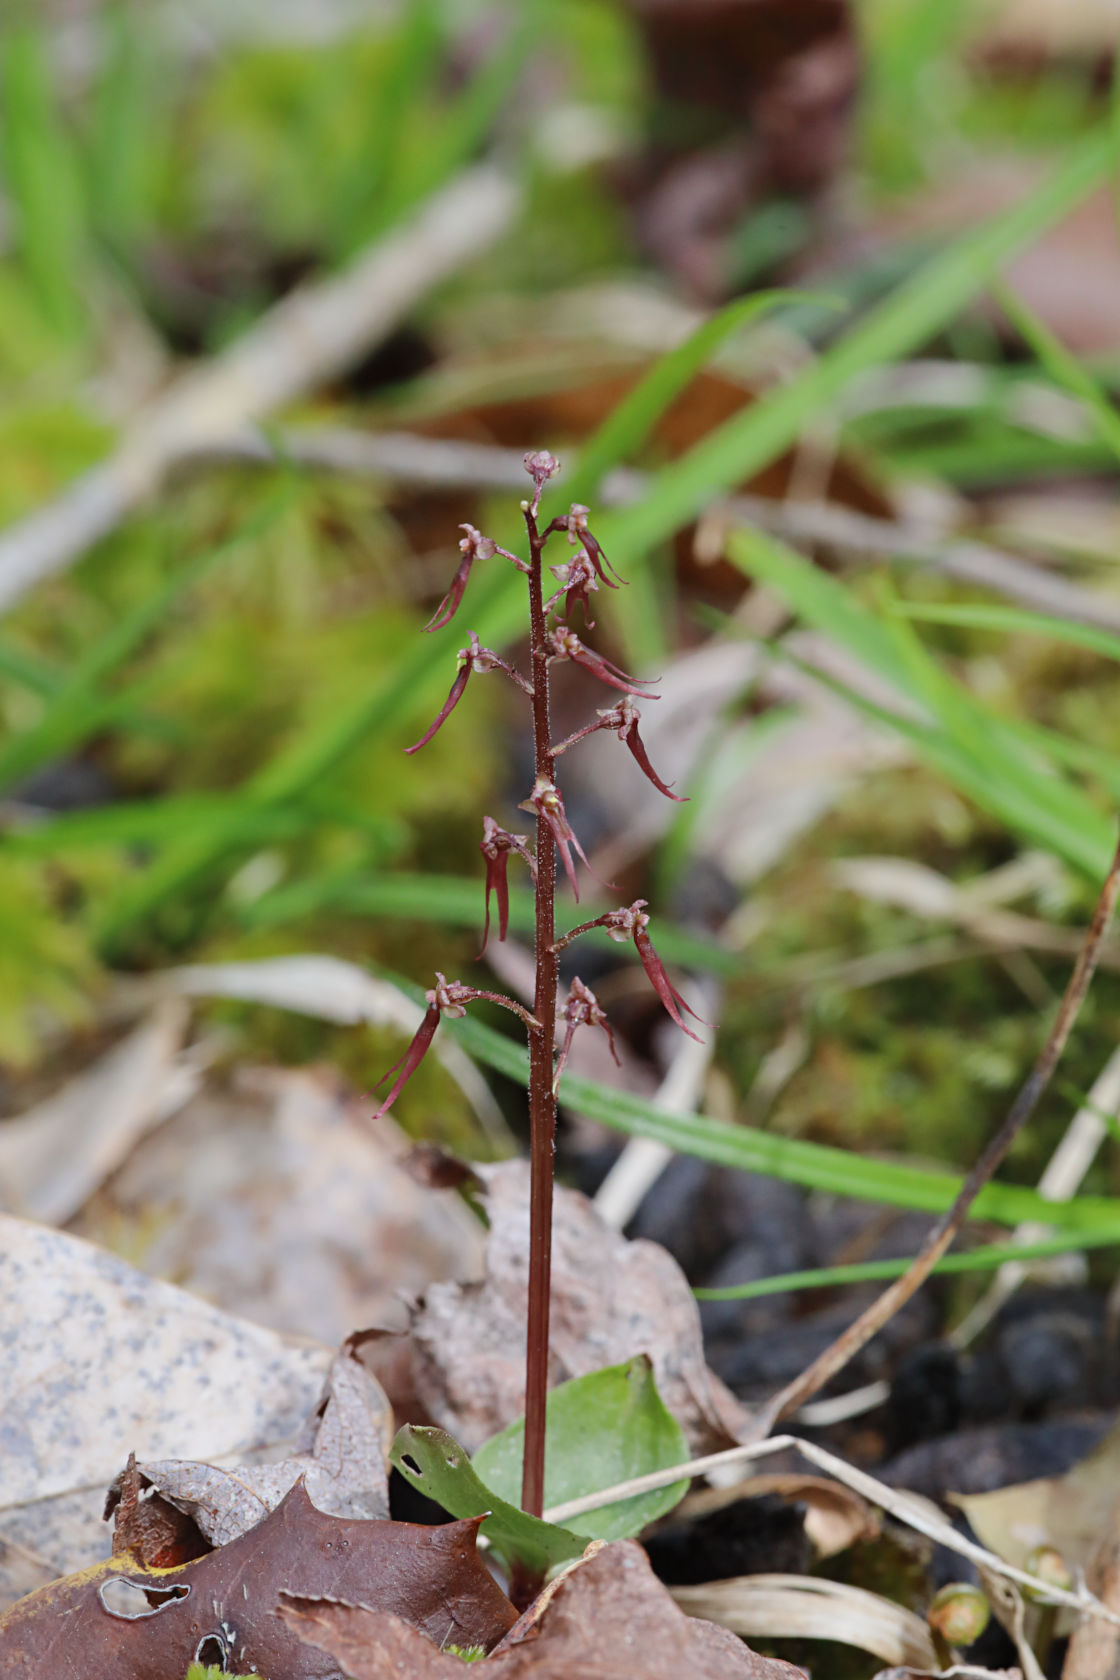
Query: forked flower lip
[496,845]
[631,922]
[450,998]
[582,1009]
[472,658]
[565,644]
[547,802]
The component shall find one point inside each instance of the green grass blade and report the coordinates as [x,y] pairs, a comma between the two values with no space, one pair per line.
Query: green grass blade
[77,708]
[361,207]
[1062,366]
[453,901]
[973,748]
[905,320]
[1013,621]
[28,669]
[631,421]
[42,178]
[987,1258]
[793,1160]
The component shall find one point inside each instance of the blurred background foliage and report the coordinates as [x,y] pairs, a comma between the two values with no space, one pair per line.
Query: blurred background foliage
[186,768]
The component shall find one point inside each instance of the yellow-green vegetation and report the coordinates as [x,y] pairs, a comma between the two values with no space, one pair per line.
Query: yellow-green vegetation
[202,722]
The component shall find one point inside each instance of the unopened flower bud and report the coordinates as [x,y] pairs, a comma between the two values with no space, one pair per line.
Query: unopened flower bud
[959,1613]
[1048,1564]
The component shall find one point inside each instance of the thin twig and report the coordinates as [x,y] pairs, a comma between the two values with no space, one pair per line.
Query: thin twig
[1061,1179]
[919,1514]
[870,1322]
[311,336]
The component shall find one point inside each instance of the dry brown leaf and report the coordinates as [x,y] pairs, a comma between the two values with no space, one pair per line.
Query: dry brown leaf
[1069,1512]
[100,1360]
[122,1623]
[611,1300]
[610,1620]
[341,1458]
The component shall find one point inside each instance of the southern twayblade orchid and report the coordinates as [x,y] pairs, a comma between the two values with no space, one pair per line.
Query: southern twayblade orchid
[473,546]
[548,804]
[565,644]
[550,640]
[582,1009]
[576,577]
[541,465]
[632,923]
[575,523]
[472,658]
[496,845]
[624,719]
[446,997]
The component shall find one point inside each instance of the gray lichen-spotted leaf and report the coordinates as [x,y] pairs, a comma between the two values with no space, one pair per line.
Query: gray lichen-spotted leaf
[342,1461]
[96,1360]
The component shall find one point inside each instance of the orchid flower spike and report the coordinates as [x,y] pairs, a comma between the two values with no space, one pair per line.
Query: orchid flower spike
[631,923]
[546,801]
[624,719]
[582,1009]
[576,577]
[565,644]
[496,845]
[541,465]
[472,658]
[450,998]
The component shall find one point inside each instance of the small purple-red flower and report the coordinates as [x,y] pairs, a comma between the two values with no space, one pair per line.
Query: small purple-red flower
[631,923]
[546,801]
[576,577]
[496,845]
[541,465]
[575,523]
[624,719]
[450,998]
[565,644]
[472,658]
[582,1009]
[472,546]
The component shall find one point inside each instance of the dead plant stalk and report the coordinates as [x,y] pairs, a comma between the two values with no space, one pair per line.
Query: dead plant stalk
[894,1297]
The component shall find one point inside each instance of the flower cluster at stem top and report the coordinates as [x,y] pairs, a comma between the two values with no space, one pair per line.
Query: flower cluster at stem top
[580,576]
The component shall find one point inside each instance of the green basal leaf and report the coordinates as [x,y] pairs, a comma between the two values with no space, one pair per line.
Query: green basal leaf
[434,1463]
[602,1429]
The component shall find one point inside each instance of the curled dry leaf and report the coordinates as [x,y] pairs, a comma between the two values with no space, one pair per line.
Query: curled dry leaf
[123,1623]
[1069,1513]
[611,1301]
[609,1618]
[835,1516]
[803,1607]
[341,1459]
[100,1360]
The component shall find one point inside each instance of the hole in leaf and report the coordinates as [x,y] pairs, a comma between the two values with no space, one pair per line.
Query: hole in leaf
[131,1601]
[410,1463]
[211,1651]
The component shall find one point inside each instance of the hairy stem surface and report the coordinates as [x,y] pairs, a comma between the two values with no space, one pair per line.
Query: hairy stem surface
[542,1039]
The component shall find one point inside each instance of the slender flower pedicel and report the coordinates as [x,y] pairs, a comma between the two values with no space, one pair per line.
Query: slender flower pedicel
[551,639]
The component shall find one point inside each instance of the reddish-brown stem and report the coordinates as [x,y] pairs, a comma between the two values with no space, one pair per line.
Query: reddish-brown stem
[542,1039]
